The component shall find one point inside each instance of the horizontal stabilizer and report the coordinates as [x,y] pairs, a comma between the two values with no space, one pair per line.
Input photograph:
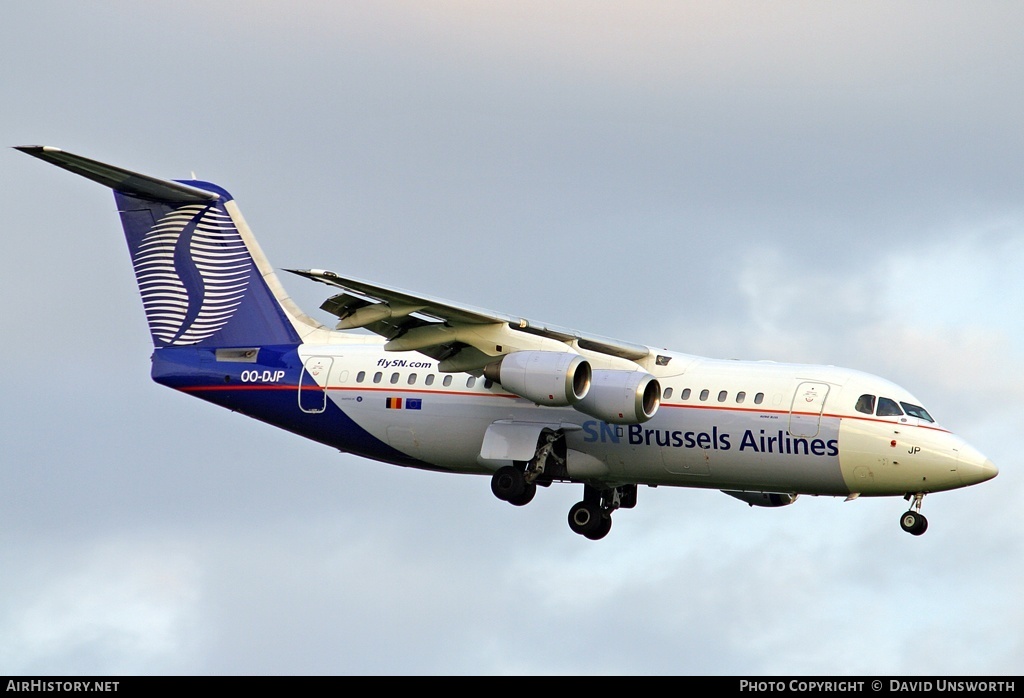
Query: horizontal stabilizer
[124,181]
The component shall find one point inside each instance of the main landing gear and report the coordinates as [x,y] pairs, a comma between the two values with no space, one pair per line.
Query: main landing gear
[590,518]
[509,484]
[517,484]
[913,521]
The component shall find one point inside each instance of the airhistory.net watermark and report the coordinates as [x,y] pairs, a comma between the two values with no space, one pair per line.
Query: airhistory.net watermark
[65,686]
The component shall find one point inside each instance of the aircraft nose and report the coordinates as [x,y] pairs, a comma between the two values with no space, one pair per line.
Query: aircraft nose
[974,467]
[987,471]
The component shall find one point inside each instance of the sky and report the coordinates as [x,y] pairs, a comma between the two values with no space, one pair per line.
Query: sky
[834,183]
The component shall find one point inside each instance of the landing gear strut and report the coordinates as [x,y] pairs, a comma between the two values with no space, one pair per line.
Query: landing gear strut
[592,518]
[913,521]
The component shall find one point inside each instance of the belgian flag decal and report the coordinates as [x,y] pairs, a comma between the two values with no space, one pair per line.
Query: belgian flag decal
[397,403]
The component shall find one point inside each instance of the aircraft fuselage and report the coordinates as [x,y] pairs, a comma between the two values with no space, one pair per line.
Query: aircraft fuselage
[732,425]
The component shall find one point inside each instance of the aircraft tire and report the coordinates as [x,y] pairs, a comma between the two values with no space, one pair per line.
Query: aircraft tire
[602,529]
[585,518]
[508,483]
[922,525]
[913,523]
[529,490]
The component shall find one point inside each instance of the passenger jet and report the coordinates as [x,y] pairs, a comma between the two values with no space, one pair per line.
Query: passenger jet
[422,382]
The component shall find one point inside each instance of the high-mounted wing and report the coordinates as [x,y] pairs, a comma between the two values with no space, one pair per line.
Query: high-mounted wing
[460,337]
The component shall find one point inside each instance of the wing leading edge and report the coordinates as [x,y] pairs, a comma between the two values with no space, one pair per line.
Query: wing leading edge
[460,337]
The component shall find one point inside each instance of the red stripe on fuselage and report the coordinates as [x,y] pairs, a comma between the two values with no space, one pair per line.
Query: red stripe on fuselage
[214,388]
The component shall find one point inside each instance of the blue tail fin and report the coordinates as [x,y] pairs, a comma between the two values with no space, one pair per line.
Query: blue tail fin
[203,279]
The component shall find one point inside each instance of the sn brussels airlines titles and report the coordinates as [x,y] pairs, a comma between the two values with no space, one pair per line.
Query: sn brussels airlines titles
[760,442]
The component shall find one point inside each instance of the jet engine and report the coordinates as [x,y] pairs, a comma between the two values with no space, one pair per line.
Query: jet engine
[621,397]
[550,378]
[763,499]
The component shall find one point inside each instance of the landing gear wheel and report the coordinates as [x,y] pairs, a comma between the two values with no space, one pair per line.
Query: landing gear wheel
[914,523]
[585,518]
[924,525]
[602,529]
[509,484]
[530,489]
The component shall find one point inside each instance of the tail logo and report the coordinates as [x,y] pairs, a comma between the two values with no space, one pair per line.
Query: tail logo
[193,270]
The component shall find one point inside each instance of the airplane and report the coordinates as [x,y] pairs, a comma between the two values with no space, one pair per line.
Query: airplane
[426,383]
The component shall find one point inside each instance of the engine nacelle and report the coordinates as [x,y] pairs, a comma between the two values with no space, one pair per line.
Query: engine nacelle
[621,397]
[550,378]
[763,499]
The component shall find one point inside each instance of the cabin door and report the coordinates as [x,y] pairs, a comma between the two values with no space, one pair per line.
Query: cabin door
[806,408]
[313,384]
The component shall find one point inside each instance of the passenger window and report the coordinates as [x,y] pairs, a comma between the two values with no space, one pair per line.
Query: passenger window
[412,379]
[430,379]
[668,394]
[704,394]
[394,378]
[471,381]
[377,376]
[759,398]
[917,411]
[447,381]
[488,383]
[888,408]
[685,394]
[360,376]
[723,395]
[740,397]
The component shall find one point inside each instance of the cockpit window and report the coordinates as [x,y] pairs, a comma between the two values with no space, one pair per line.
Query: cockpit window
[917,411]
[888,408]
[866,404]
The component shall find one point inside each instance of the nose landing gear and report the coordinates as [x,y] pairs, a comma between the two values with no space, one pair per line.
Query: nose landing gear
[913,521]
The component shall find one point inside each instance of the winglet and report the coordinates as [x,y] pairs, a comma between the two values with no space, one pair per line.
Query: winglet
[124,181]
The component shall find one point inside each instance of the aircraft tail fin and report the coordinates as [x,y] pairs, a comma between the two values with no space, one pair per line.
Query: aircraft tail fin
[203,278]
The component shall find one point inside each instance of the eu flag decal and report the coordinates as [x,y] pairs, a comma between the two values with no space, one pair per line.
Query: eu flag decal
[413,403]
[394,403]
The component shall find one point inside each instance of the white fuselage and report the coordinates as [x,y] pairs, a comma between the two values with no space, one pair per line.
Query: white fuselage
[735,425]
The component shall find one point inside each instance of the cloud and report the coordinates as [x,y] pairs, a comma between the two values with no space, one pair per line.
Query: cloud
[115,606]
